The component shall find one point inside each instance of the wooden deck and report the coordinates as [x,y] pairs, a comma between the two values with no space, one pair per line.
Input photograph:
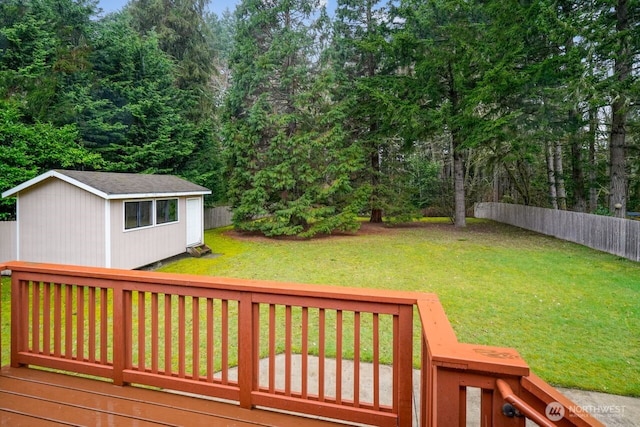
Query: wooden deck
[259,344]
[30,397]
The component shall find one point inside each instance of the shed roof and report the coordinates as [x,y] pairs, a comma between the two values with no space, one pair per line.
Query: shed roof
[112,185]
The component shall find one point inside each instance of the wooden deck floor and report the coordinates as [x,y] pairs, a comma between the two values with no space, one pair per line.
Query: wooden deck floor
[30,397]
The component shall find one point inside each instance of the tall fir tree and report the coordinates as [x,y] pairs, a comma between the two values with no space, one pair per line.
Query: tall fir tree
[615,36]
[443,44]
[289,168]
[129,108]
[184,33]
[28,149]
[45,47]
[366,71]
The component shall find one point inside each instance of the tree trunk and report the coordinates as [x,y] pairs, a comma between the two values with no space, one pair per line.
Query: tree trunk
[617,150]
[577,171]
[551,177]
[376,211]
[577,175]
[458,184]
[617,163]
[593,189]
[496,186]
[560,189]
[371,65]
[376,216]
[575,135]
[460,220]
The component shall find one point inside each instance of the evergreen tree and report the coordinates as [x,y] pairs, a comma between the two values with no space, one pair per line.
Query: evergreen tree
[289,170]
[44,46]
[530,90]
[130,111]
[29,149]
[182,31]
[615,34]
[367,87]
[221,43]
[442,41]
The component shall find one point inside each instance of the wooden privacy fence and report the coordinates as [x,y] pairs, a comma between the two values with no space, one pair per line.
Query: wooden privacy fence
[616,236]
[219,216]
[270,344]
[8,240]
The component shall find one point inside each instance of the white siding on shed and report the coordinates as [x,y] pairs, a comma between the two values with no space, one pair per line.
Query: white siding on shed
[142,246]
[61,223]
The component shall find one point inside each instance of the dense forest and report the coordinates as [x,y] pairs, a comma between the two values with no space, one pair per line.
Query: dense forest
[303,119]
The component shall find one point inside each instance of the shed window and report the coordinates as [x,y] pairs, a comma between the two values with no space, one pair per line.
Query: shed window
[137,214]
[166,211]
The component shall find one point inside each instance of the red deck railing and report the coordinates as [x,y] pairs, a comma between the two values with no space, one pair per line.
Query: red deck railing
[275,345]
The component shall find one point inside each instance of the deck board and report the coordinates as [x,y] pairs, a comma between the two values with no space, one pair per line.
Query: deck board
[13,419]
[64,413]
[30,397]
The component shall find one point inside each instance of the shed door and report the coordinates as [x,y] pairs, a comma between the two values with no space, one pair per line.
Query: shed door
[194,222]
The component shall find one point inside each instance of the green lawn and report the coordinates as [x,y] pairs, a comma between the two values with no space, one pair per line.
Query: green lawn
[572,312]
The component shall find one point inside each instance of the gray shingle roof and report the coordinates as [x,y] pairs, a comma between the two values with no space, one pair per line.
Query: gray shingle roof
[112,183]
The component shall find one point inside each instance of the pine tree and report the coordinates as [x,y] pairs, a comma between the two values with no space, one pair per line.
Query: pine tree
[619,31]
[183,33]
[44,47]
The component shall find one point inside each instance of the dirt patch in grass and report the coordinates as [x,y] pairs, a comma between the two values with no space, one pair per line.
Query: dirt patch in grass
[372,229]
[254,236]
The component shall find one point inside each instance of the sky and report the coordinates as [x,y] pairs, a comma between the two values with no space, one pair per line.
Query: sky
[216,6]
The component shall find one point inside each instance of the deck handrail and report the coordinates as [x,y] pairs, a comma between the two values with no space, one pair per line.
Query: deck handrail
[509,396]
[453,369]
[232,336]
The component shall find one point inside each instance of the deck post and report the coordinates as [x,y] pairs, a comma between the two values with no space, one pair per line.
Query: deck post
[447,410]
[246,350]
[19,318]
[425,384]
[119,332]
[405,366]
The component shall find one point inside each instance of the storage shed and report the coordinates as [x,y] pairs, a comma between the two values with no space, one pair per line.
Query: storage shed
[103,219]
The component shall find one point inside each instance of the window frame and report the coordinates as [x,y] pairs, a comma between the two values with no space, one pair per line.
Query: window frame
[177,211]
[139,203]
